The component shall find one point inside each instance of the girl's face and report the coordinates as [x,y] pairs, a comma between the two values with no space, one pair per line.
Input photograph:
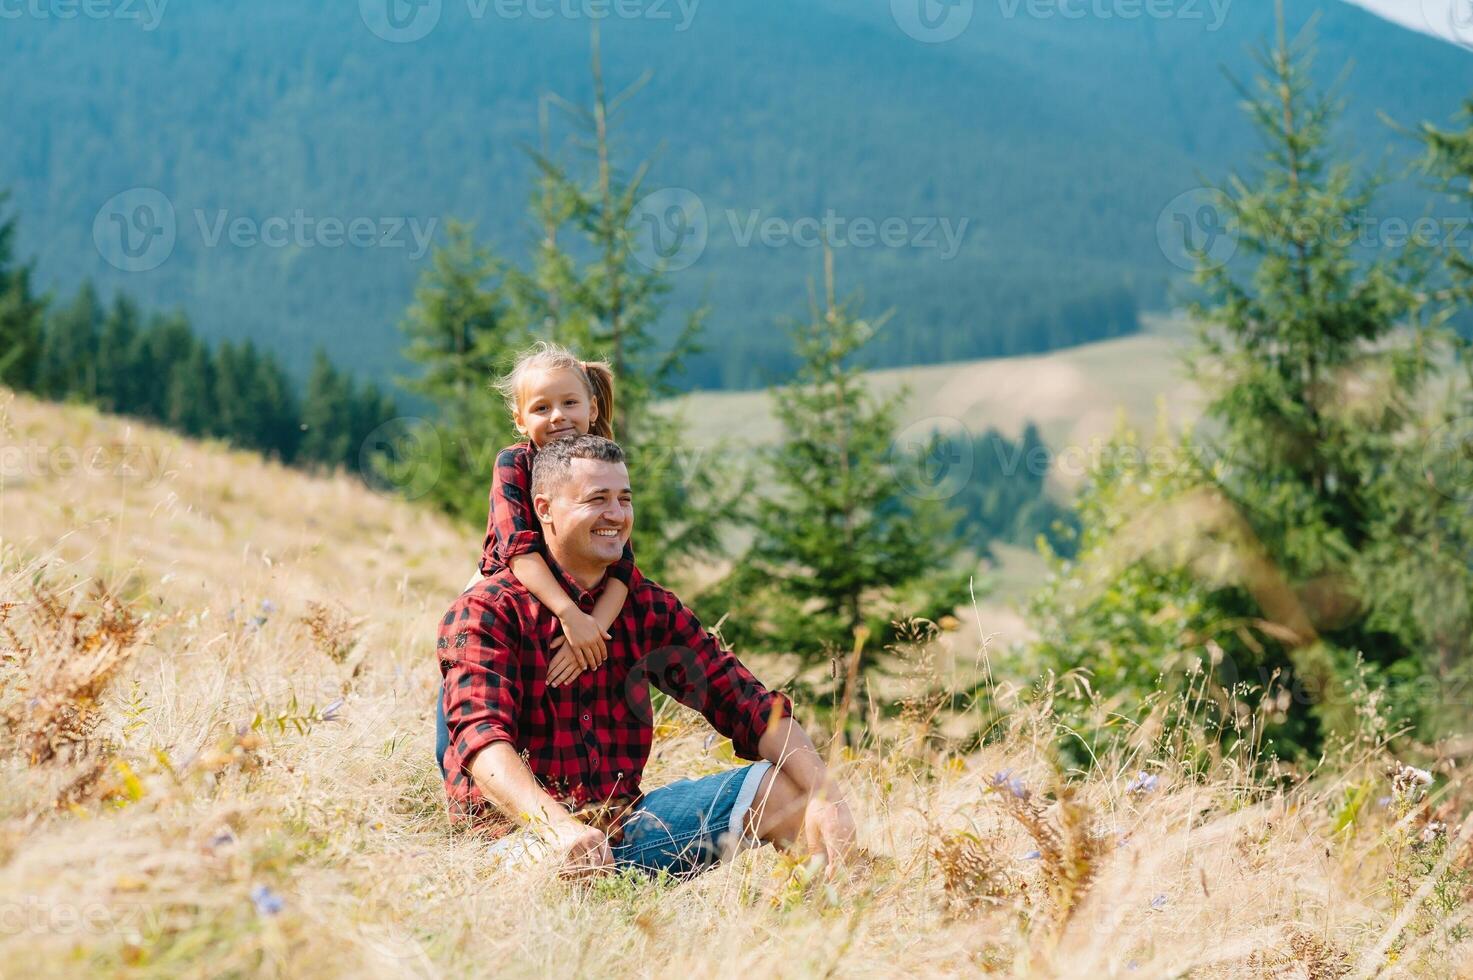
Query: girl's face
[554,405]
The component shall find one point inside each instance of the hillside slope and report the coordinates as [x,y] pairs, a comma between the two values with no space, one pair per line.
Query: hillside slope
[236,793]
[1075,396]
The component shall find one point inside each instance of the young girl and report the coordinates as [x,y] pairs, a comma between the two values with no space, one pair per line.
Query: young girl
[552,395]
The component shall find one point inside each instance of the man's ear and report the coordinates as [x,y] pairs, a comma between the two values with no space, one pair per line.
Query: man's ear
[542,507]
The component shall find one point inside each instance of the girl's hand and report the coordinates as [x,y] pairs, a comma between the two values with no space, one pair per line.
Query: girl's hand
[585,639]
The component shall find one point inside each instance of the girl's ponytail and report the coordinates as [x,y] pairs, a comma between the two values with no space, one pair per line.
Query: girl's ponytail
[601,386]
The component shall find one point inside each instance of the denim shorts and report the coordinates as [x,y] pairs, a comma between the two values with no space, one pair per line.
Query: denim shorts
[682,829]
[691,825]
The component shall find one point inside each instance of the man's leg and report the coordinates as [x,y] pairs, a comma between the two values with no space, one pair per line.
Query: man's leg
[442,731]
[776,816]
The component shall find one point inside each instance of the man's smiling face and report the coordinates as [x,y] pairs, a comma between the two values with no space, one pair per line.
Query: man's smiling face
[587,521]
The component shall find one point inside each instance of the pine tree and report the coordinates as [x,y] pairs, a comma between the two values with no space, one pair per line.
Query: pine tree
[841,538]
[609,306]
[160,351]
[460,333]
[1296,530]
[21,312]
[191,396]
[69,351]
[119,382]
[276,411]
[327,415]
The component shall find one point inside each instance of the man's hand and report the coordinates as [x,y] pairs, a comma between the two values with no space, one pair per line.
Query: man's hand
[584,639]
[564,667]
[584,850]
[829,830]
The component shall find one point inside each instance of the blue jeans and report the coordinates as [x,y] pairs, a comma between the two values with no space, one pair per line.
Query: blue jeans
[684,828]
[442,733]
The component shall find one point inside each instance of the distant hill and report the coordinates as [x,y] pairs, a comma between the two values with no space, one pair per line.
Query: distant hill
[1076,397]
[1057,141]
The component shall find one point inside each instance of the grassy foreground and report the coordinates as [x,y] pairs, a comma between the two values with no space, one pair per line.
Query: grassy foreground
[216,682]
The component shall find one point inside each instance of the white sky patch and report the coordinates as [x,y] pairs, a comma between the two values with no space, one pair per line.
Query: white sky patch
[1451,20]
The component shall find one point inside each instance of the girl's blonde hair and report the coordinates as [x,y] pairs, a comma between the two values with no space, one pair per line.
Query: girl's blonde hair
[597,377]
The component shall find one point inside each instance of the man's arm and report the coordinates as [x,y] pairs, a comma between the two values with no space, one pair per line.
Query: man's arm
[505,780]
[759,723]
[479,643]
[828,824]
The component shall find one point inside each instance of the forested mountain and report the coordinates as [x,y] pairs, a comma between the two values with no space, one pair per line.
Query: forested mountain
[1048,145]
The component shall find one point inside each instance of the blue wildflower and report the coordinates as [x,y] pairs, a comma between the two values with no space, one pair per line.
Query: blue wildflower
[330,713]
[1006,780]
[267,902]
[1144,782]
[1032,856]
[1158,903]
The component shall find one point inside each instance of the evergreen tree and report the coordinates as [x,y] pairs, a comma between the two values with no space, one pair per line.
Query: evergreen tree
[588,288]
[1450,158]
[119,381]
[275,410]
[21,311]
[1297,532]
[191,396]
[460,333]
[327,415]
[840,538]
[69,352]
[160,351]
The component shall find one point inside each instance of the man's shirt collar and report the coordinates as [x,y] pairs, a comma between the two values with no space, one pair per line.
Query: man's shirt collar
[584,597]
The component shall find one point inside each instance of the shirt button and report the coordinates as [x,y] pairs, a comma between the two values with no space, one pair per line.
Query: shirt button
[586,718]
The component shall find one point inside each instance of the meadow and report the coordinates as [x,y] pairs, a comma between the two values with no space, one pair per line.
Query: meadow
[217,682]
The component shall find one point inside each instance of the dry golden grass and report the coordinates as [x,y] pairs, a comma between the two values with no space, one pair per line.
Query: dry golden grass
[253,702]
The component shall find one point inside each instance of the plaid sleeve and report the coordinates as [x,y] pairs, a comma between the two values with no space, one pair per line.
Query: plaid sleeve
[513,523]
[623,569]
[714,682]
[478,660]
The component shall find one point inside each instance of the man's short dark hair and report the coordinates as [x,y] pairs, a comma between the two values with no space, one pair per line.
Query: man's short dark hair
[554,461]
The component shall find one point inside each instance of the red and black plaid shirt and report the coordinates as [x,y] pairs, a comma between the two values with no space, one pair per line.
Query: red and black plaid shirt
[512,527]
[586,742]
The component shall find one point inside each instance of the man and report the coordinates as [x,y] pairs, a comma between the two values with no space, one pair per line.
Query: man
[565,762]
